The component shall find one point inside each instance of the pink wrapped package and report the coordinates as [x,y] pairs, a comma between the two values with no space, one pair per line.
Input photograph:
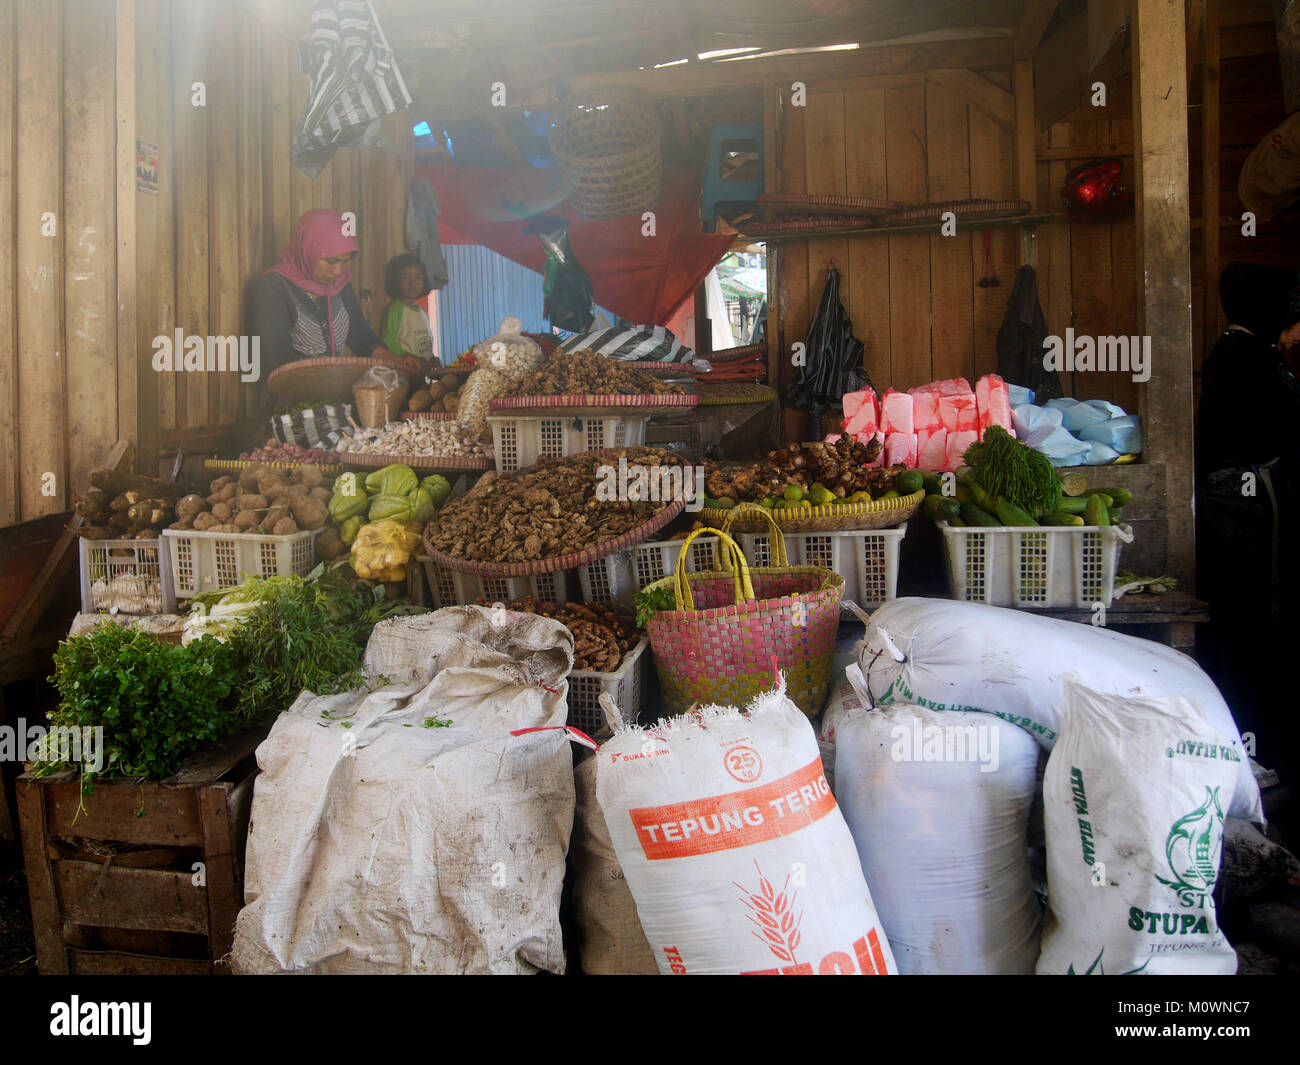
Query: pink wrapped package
[994,403]
[952,387]
[925,408]
[900,448]
[932,449]
[958,442]
[861,414]
[958,412]
[896,413]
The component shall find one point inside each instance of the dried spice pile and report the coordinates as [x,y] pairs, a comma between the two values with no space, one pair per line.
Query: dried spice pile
[600,637]
[551,509]
[575,373]
[841,467]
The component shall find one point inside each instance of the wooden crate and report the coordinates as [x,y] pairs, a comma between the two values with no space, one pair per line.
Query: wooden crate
[139,911]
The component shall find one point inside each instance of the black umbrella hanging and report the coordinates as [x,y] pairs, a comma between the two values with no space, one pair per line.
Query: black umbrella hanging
[833,357]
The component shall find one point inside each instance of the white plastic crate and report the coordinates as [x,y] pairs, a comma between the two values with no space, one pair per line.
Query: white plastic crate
[867,559]
[624,686]
[204,561]
[1050,566]
[519,441]
[449,587]
[131,576]
[616,579]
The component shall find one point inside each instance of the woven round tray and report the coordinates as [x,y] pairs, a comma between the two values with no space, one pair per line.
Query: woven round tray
[322,379]
[881,514]
[228,465]
[680,370]
[433,463]
[591,403]
[426,416]
[589,554]
[798,203]
[737,392]
[741,354]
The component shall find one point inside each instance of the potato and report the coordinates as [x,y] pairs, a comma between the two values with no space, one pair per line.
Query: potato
[421,400]
[450,404]
[451,382]
[310,513]
[252,501]
[178,525]
[330,545]
[272,485]
[227,528]
[248,478]
[310,476]
[246,520]
[284,527]
[323,494]
[277,512]
[226,495]
[205,521]
[223,512]
[438,390]
[190,506]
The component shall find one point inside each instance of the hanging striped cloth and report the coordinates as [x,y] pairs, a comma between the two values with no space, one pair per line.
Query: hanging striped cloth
[632,343]
[354,82]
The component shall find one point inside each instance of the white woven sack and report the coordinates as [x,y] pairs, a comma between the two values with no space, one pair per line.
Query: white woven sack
[1134,800]
[734,848]
[948,655]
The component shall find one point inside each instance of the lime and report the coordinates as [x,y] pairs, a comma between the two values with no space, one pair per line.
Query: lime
[821,497]
[793,493]
[768,503]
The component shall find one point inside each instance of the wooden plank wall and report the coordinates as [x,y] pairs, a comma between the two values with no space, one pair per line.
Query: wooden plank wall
[75,332]
[913,298]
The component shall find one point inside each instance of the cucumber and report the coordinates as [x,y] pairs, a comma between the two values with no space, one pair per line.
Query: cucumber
[975,515]
[1060,517]
[1012,515]
[909,481]
[1121,497]
[1073,505]
[930,506]
[957,523]
[932,482]
[1115,516]
[940,508]
[1105,497]
[1096,512]
[962,494]
[1074,484]
[978,496]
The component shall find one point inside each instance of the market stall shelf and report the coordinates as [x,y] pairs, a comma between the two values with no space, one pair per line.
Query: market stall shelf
[573,560]
[879,514]
[449,587]
[626,686]
[205,561]
[112,876]
[518,442]
[312,380]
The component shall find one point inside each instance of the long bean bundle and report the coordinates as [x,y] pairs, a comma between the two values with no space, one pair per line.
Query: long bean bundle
[1022,476]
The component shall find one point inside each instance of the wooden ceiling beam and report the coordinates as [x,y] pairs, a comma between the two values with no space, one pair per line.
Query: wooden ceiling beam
[1033,25]
[997,103]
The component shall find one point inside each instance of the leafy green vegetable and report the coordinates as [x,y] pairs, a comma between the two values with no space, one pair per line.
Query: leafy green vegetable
[1004,467]
[434,721]
[156,703]
[649,600]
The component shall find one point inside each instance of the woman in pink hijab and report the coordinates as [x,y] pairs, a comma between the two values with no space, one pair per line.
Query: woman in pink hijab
[304,307]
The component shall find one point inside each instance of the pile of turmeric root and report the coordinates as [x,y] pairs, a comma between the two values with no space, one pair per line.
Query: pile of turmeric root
[259,500]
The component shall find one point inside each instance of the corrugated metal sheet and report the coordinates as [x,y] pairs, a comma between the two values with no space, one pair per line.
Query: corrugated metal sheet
[483,288]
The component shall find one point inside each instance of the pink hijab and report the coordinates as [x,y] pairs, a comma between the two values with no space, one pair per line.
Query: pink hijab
[317,235]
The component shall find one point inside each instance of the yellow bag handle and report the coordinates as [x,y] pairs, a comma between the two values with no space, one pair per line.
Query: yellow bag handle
[727,548]
[776,539]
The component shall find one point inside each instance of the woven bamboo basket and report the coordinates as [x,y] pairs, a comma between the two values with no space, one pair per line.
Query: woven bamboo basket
[377,406]
[879,514]
[607,149]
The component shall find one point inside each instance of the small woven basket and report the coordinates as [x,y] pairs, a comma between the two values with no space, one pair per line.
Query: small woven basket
[377,406]
[607,149]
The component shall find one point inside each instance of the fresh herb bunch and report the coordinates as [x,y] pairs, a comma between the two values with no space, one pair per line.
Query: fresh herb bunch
[1025,478]
[650,600]
[156,702]
[308,635]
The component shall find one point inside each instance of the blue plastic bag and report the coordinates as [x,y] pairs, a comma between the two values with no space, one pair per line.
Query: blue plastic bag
[1123,434]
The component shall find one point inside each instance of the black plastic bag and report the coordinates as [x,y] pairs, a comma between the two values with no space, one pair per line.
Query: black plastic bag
[833,354]
[1020,341]
[568,292]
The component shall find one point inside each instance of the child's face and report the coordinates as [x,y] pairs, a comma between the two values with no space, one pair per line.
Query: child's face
[410,283]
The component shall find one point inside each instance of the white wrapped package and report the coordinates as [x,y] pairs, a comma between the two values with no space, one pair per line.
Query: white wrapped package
[1133,800]
[938,805]
[734,848]
[949,655]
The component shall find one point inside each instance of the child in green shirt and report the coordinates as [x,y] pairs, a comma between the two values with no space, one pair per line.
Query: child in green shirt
[406,329]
